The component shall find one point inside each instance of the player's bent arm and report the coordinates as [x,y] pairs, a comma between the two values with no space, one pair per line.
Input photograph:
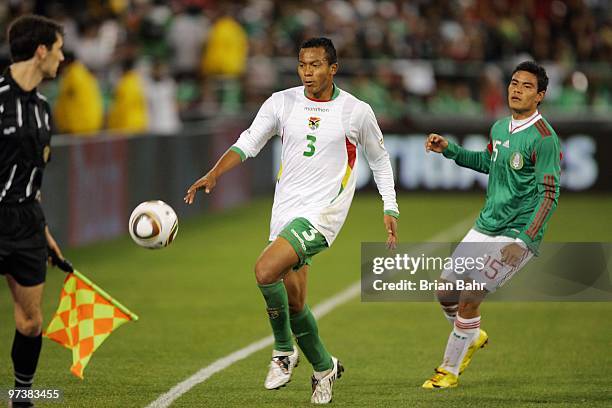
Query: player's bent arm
[250,142]
[479,161]
[264,126]
[230,159]
[548,171]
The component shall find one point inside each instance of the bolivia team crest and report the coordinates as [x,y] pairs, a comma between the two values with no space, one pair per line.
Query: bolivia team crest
[313,123]
[516,161]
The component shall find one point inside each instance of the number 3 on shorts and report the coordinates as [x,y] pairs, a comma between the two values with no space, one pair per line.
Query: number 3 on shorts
[310,235]
[310,145]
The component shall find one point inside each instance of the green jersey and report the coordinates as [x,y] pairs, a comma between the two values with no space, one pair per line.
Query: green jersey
[524,169]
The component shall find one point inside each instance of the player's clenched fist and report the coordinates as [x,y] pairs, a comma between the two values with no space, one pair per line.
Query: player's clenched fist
[435,143]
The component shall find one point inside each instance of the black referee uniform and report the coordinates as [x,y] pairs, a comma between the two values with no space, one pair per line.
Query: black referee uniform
[25,135]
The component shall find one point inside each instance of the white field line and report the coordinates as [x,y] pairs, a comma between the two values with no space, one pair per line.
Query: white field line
[319,311]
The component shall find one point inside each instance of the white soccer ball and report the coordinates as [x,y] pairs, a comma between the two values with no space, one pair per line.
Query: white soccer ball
[153,224]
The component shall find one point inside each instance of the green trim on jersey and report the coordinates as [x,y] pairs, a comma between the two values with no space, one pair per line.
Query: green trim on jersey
[243,156]
[305,240]
[392,213]
[335,93]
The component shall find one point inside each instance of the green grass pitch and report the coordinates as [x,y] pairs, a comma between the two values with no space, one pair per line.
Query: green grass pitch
[197,301]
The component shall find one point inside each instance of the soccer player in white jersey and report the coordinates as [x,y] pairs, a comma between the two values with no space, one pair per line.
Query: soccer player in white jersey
[320,127]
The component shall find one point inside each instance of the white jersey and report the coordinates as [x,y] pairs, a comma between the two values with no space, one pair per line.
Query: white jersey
[316,180]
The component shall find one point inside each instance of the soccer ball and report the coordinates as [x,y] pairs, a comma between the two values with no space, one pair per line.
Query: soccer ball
[153,224]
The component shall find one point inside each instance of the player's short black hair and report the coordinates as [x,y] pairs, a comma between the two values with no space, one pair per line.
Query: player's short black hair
[537,70]
[27,32]
[326,44]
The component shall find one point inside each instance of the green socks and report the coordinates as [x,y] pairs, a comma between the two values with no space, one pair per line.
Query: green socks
[278,313]
[304,327]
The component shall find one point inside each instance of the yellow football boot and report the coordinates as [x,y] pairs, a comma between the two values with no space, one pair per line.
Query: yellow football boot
[480,342]
[441,379]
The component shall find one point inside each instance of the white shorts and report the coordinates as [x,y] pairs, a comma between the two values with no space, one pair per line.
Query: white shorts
[488,248]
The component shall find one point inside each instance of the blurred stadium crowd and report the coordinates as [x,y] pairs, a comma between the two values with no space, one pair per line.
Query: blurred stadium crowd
[150,65]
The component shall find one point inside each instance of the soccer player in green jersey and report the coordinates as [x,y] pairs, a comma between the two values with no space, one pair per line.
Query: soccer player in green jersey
[522,160]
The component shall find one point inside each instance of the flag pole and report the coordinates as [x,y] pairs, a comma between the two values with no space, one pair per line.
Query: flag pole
[105,295]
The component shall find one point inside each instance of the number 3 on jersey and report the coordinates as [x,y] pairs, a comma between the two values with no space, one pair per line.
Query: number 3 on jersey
[311,147]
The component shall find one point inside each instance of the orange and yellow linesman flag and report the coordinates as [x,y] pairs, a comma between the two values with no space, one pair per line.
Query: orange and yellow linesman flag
[85,317]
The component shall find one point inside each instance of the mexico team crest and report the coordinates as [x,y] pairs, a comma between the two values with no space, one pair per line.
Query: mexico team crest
[516,161]
[313,123]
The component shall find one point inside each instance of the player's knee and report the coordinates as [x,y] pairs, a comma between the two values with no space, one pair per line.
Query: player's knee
[264,272]
[30,326]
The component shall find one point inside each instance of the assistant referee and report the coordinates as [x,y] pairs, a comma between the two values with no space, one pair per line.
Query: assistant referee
[25,133]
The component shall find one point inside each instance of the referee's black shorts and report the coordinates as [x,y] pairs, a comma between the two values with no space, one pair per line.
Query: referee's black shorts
[23,245]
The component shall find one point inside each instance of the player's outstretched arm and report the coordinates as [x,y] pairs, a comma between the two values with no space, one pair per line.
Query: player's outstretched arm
[479,161]
[249,144]
[228,161]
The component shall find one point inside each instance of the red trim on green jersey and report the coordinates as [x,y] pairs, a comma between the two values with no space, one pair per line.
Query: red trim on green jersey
[542,128]
[545,207]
